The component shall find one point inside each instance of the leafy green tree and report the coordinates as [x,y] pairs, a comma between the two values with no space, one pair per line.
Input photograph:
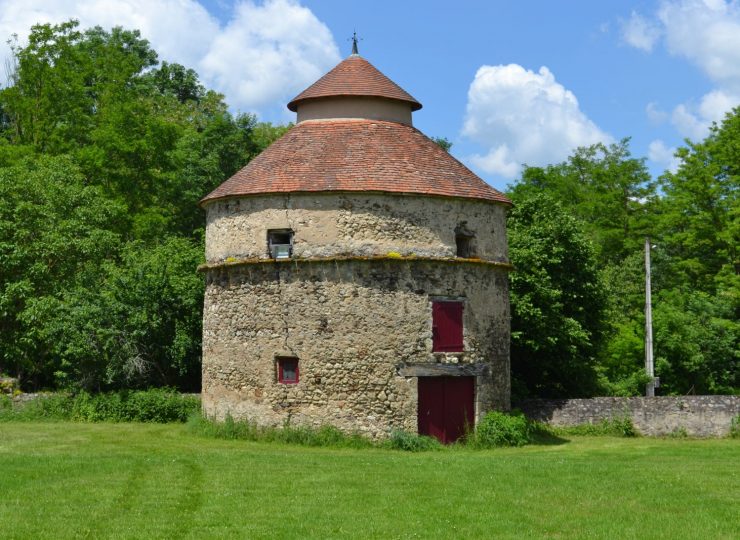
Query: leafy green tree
[53,228]
[63,77]
[700,212]
[99,244]
[697,308]
[444,142]
[151,135]
[607,189]
[140,326]
[177,81]
[696,343]
[557,301]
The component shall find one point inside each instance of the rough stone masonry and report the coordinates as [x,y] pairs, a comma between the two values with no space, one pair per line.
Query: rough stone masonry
[358,320]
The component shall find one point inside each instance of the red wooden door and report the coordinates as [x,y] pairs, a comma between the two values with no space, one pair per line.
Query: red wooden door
[446,406]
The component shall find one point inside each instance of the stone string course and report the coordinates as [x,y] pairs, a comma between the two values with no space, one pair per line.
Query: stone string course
[698,416]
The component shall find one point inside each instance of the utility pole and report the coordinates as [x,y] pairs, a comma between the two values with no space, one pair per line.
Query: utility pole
[649,366]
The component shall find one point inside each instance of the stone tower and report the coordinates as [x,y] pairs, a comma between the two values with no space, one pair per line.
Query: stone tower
[356,273]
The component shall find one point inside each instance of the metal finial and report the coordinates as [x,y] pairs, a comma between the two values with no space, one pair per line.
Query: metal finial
[354,43]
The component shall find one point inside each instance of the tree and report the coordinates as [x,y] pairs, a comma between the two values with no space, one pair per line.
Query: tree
[700,212]
[558,303]
[53,229]
[138,129]
[443,142]
[604,187]
[696,343]
[104,155]
[140,326]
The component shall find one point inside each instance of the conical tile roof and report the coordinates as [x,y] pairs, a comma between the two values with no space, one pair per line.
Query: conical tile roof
[354,76]
[352,155]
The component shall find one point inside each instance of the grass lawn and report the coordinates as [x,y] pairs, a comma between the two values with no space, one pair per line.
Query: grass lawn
[63,480]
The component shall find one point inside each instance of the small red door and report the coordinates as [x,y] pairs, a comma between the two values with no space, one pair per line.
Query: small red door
[446,406]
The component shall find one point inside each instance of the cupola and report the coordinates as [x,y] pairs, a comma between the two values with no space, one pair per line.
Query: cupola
[355,89]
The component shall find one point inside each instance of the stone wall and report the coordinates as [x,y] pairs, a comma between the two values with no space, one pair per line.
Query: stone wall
[336,224]
[699,416]
[357,327]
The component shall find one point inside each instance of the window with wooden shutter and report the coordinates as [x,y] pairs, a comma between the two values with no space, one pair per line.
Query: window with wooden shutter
[447,326]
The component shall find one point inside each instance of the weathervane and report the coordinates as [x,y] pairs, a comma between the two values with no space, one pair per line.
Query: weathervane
[355,39]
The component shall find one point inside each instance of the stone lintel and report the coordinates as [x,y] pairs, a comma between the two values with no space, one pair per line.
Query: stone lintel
[443,370]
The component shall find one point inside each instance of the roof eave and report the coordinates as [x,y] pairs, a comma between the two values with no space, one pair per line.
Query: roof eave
[503,201]
[293,105]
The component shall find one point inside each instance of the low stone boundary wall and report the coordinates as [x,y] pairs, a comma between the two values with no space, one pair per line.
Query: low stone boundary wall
[698,416]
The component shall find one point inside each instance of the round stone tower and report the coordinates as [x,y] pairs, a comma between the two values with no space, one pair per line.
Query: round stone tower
[356,273]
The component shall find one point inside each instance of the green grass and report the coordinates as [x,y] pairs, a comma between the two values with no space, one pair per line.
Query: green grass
[64,480]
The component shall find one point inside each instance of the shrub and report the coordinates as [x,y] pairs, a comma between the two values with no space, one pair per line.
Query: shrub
[159,405]
[8,385]
[615,427]
[44,407]
[679,433]
[155,405]
[501,429]
[411,442]
[5,403]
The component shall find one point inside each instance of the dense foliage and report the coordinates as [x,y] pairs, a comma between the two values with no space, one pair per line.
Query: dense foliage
[691,218]
[499,429]
[105,153]
[557,300]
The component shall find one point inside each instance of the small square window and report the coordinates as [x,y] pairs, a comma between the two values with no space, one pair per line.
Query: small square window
[280,243]
[287,370]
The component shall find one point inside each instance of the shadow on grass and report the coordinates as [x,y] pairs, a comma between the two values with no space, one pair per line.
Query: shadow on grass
[546,438]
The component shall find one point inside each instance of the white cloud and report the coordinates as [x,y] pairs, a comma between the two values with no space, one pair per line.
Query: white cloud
[640,32]
[693,121]
[687,123]
[663,155]
[265,54]
[654,114]
[706,33]
[275,49]
[179,30]
[524,117]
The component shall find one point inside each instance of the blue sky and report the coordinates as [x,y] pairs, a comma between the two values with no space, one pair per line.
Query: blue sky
[507,82]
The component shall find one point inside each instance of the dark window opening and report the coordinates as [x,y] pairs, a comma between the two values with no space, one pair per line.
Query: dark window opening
[287,370]
[465,247]
[447,326]
[465,241]
[280,243]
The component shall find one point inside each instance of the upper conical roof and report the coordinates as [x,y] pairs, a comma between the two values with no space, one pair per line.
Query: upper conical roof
[354,76]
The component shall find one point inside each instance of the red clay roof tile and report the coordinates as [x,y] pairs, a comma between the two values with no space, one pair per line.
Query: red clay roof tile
[356,155]
[354,76]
